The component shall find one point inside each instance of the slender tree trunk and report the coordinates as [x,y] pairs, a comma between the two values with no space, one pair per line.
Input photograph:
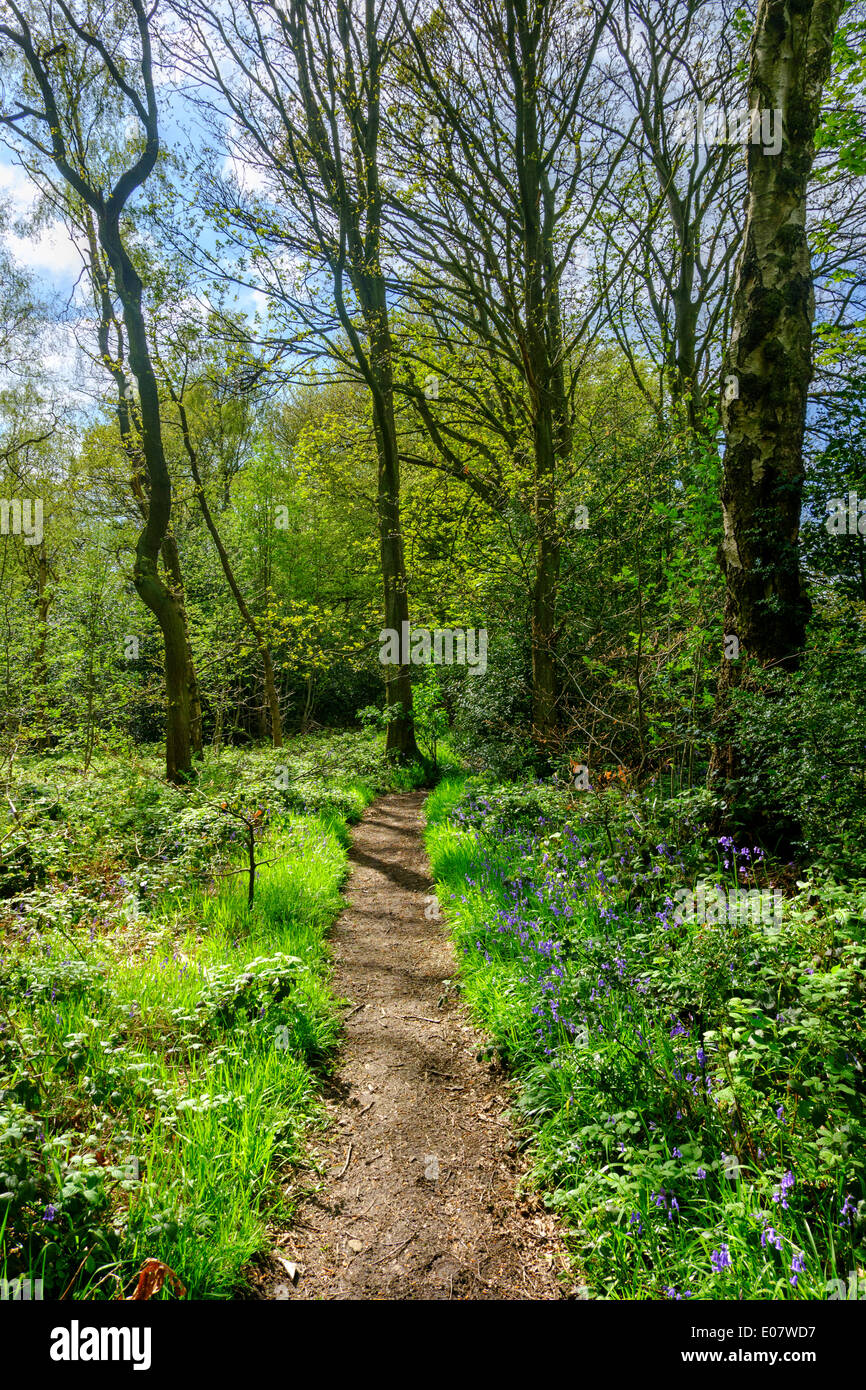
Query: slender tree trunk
[400,738]
[308,705]
[171,562]
[264,652]
[766,606]
[544,597]
[40,661]
[545,375]
[132,438]
[683,383]
[165,604]
[57,119]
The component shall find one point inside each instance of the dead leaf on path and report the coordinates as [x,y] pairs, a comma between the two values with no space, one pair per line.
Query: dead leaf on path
[151,1278]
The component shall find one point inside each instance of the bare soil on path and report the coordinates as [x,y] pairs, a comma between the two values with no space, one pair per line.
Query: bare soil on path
[415,1192]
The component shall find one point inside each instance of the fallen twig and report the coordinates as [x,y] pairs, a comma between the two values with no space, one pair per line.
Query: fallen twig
[392,1254]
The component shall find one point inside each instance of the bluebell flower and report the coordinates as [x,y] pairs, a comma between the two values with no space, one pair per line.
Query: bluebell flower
[721,1259]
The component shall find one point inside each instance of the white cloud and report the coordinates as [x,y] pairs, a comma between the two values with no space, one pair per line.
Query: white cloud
[250,177]
[16,188]
[51,253]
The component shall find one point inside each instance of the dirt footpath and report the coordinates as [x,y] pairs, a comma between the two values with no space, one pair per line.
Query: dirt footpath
[416,1194]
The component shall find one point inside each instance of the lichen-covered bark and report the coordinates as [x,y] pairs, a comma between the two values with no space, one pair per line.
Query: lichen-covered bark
[770,348]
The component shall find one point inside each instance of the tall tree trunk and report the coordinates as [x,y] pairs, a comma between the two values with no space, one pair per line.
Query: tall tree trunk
[40,661]
[162,599]
[262,646]
[545,593]
[544,351]
[338,86]
[58,121]
[129,424]
[766,606]
[682,371]
[171,561]
[400,737]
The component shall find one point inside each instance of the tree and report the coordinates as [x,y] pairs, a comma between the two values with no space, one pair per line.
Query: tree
[303,83]
[76,58]
[770,350]
[178,390]
[488,226]
[110,339]
[666,242]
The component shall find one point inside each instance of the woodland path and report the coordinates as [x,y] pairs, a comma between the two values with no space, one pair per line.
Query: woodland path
[415,1197]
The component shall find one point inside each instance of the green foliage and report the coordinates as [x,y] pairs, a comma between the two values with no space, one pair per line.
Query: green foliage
[803,740]
[695,1086]
[492,712]
[430,715]
[160,1043]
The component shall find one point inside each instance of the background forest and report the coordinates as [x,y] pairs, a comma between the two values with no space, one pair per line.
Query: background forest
[492,316]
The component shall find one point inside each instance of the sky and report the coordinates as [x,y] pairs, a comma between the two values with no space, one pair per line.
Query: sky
[49,254]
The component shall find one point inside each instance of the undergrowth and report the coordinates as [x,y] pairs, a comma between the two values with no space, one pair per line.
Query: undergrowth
[161,1044]
[695,1086]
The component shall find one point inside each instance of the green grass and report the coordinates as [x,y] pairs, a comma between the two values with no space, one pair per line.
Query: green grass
[694,1088]
[161,1066]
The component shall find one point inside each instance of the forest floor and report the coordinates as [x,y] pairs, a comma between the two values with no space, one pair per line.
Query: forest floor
[412,1191]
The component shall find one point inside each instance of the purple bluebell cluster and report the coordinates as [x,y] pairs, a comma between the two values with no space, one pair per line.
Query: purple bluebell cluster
[624,1019]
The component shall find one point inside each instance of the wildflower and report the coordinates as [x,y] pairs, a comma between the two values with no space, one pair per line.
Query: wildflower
[846,1214]
[721,1259]
[701,1175]
[50,1213]
[798,1266]
[769,1236]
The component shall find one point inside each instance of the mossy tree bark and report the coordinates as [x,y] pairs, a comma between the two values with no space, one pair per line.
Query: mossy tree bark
[770,354]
